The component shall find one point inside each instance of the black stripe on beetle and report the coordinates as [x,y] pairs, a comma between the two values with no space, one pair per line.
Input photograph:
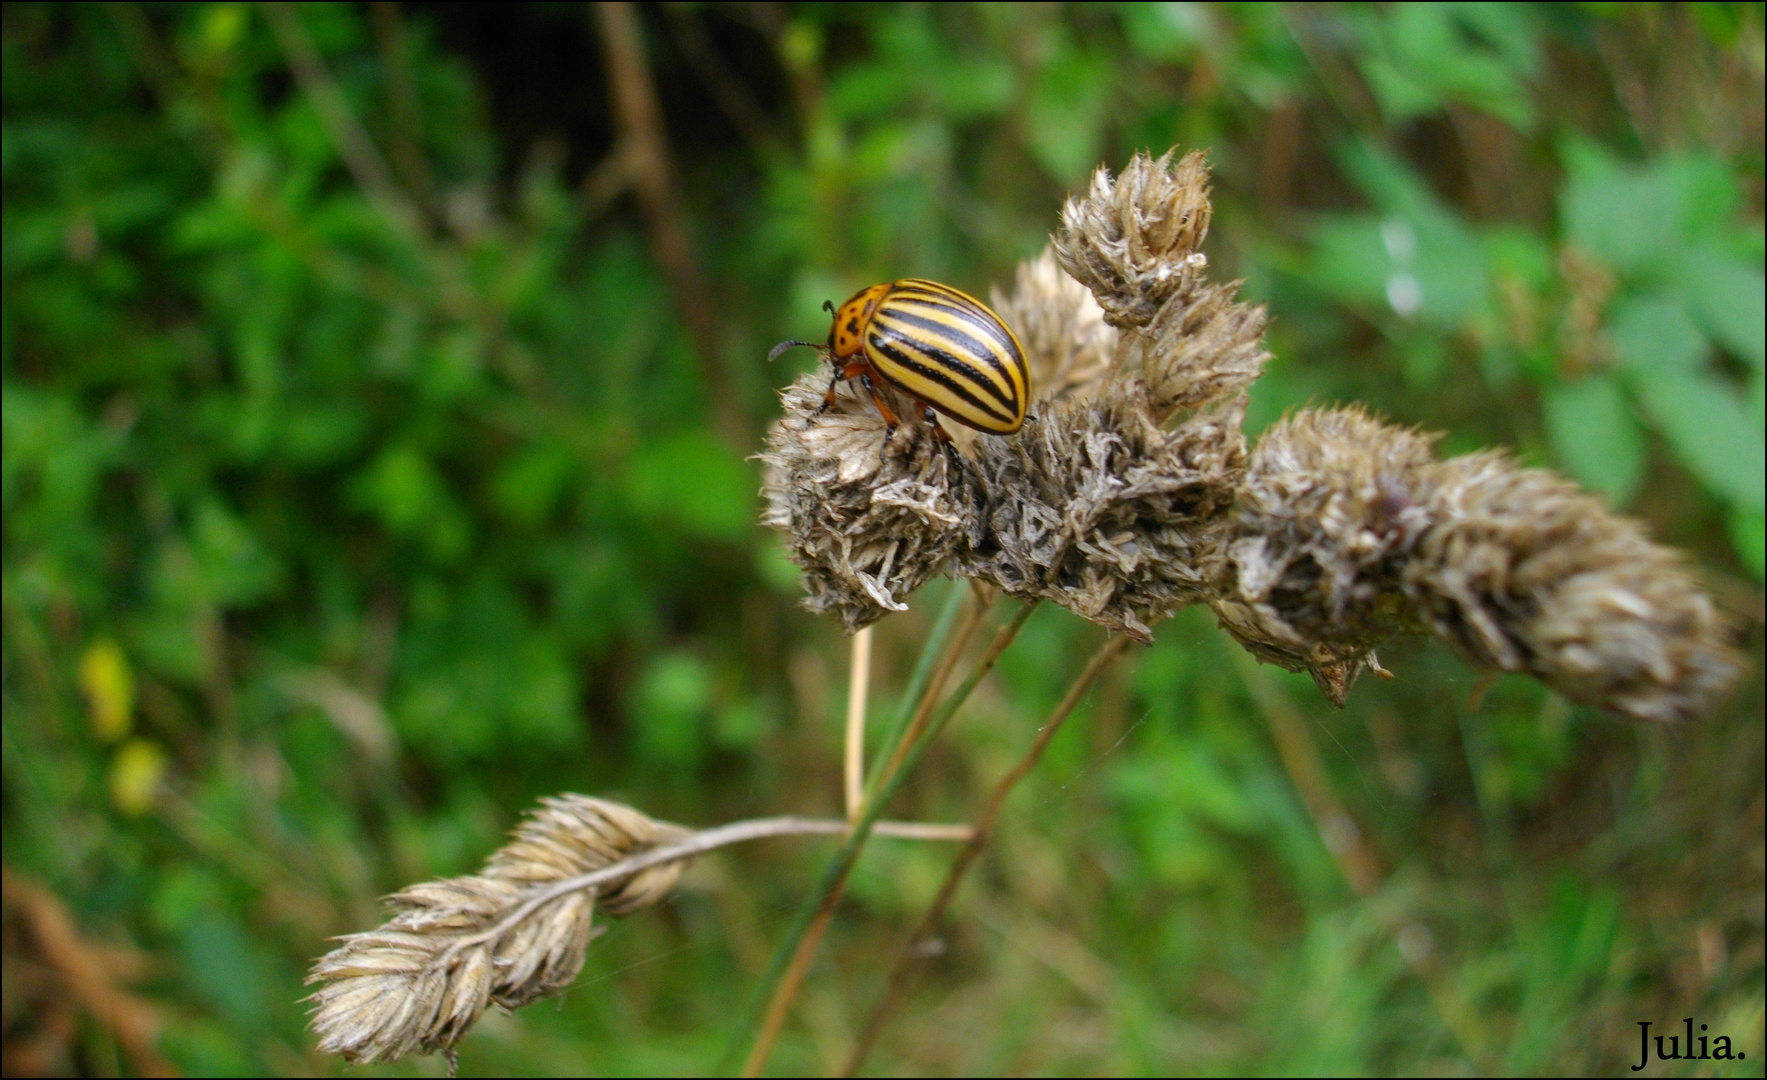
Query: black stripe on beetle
[968,369]
[953,363]
[975,317]
[939,376]
[978,352]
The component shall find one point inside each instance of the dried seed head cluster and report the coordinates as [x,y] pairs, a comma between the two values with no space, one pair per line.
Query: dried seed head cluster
[1317,545]
[419,982]
[1094,506]
[868,522]
[1129,493]
[1067,344]
[1348,531]
[1522,571]
[1137,242]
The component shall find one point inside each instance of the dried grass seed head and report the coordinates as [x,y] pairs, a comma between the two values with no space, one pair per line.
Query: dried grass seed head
[1318,542]
[1094,506]
[1202,349]
[1135,240]
[1523,571]
[1348,531]
[420,981]
[1067,344]
[868,523]
[1344,531]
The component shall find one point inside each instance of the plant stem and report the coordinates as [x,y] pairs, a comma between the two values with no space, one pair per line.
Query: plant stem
[918,722]
[638,117]
[736,832]
[346,133]
[791,961]
[895,989]
[858,683]
[931,655]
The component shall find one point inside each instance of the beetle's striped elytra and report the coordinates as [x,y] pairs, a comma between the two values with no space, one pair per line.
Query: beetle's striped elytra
[942,348]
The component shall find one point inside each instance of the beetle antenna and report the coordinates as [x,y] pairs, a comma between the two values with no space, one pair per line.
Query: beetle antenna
[787,345]
[828,306]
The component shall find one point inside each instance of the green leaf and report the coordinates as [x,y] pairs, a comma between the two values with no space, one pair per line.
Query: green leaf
[225,965]
[1654,336]
[411,498]
[1728,297]
[1166,31]
[236,568]
[696,482]
[973,87]
[1519,254]
[1638,220]
[1423,265]
[1595,436]
[1710,428]
[1748,531]
[527,487]
[1401,96]
[1427,55]
[1063,119]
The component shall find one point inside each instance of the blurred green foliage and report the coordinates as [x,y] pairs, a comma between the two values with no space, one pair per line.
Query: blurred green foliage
[342,520]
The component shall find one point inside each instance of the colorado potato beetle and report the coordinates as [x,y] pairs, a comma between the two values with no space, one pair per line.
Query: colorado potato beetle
[942,348]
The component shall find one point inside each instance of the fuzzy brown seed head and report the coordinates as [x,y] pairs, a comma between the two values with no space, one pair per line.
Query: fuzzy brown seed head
[1067,344]
[1094,506]
[1522,571]
[1128,493]
[419,982]
[1318,543]
[1348,531]
[1201,349]
[868,523]
[1135,241]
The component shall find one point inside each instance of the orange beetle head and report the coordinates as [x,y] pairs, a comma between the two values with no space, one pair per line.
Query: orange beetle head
[846,337]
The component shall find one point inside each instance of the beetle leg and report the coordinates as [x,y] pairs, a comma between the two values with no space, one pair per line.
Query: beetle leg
[932,419]
[848,372]
[890,421]
[945,442]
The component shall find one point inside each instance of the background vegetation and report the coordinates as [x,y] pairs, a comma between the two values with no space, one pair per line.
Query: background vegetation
[377,406]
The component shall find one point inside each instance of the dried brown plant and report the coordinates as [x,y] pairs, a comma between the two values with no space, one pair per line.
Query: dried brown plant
[1348,531]
[419,982]
[519,929]
[1136,242]
[1520,570]
[1129,493]
[1316,546]
[1068,345]
[868,522]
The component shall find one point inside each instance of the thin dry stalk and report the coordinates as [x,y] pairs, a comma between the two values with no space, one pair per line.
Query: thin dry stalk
[791,962]
[402,100]
[896,987]
[927,700]
[346,133]
[650,169]
[858,684]
[89,973]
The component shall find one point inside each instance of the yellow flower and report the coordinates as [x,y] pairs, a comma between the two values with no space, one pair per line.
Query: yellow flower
[135,774]
[109,687]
